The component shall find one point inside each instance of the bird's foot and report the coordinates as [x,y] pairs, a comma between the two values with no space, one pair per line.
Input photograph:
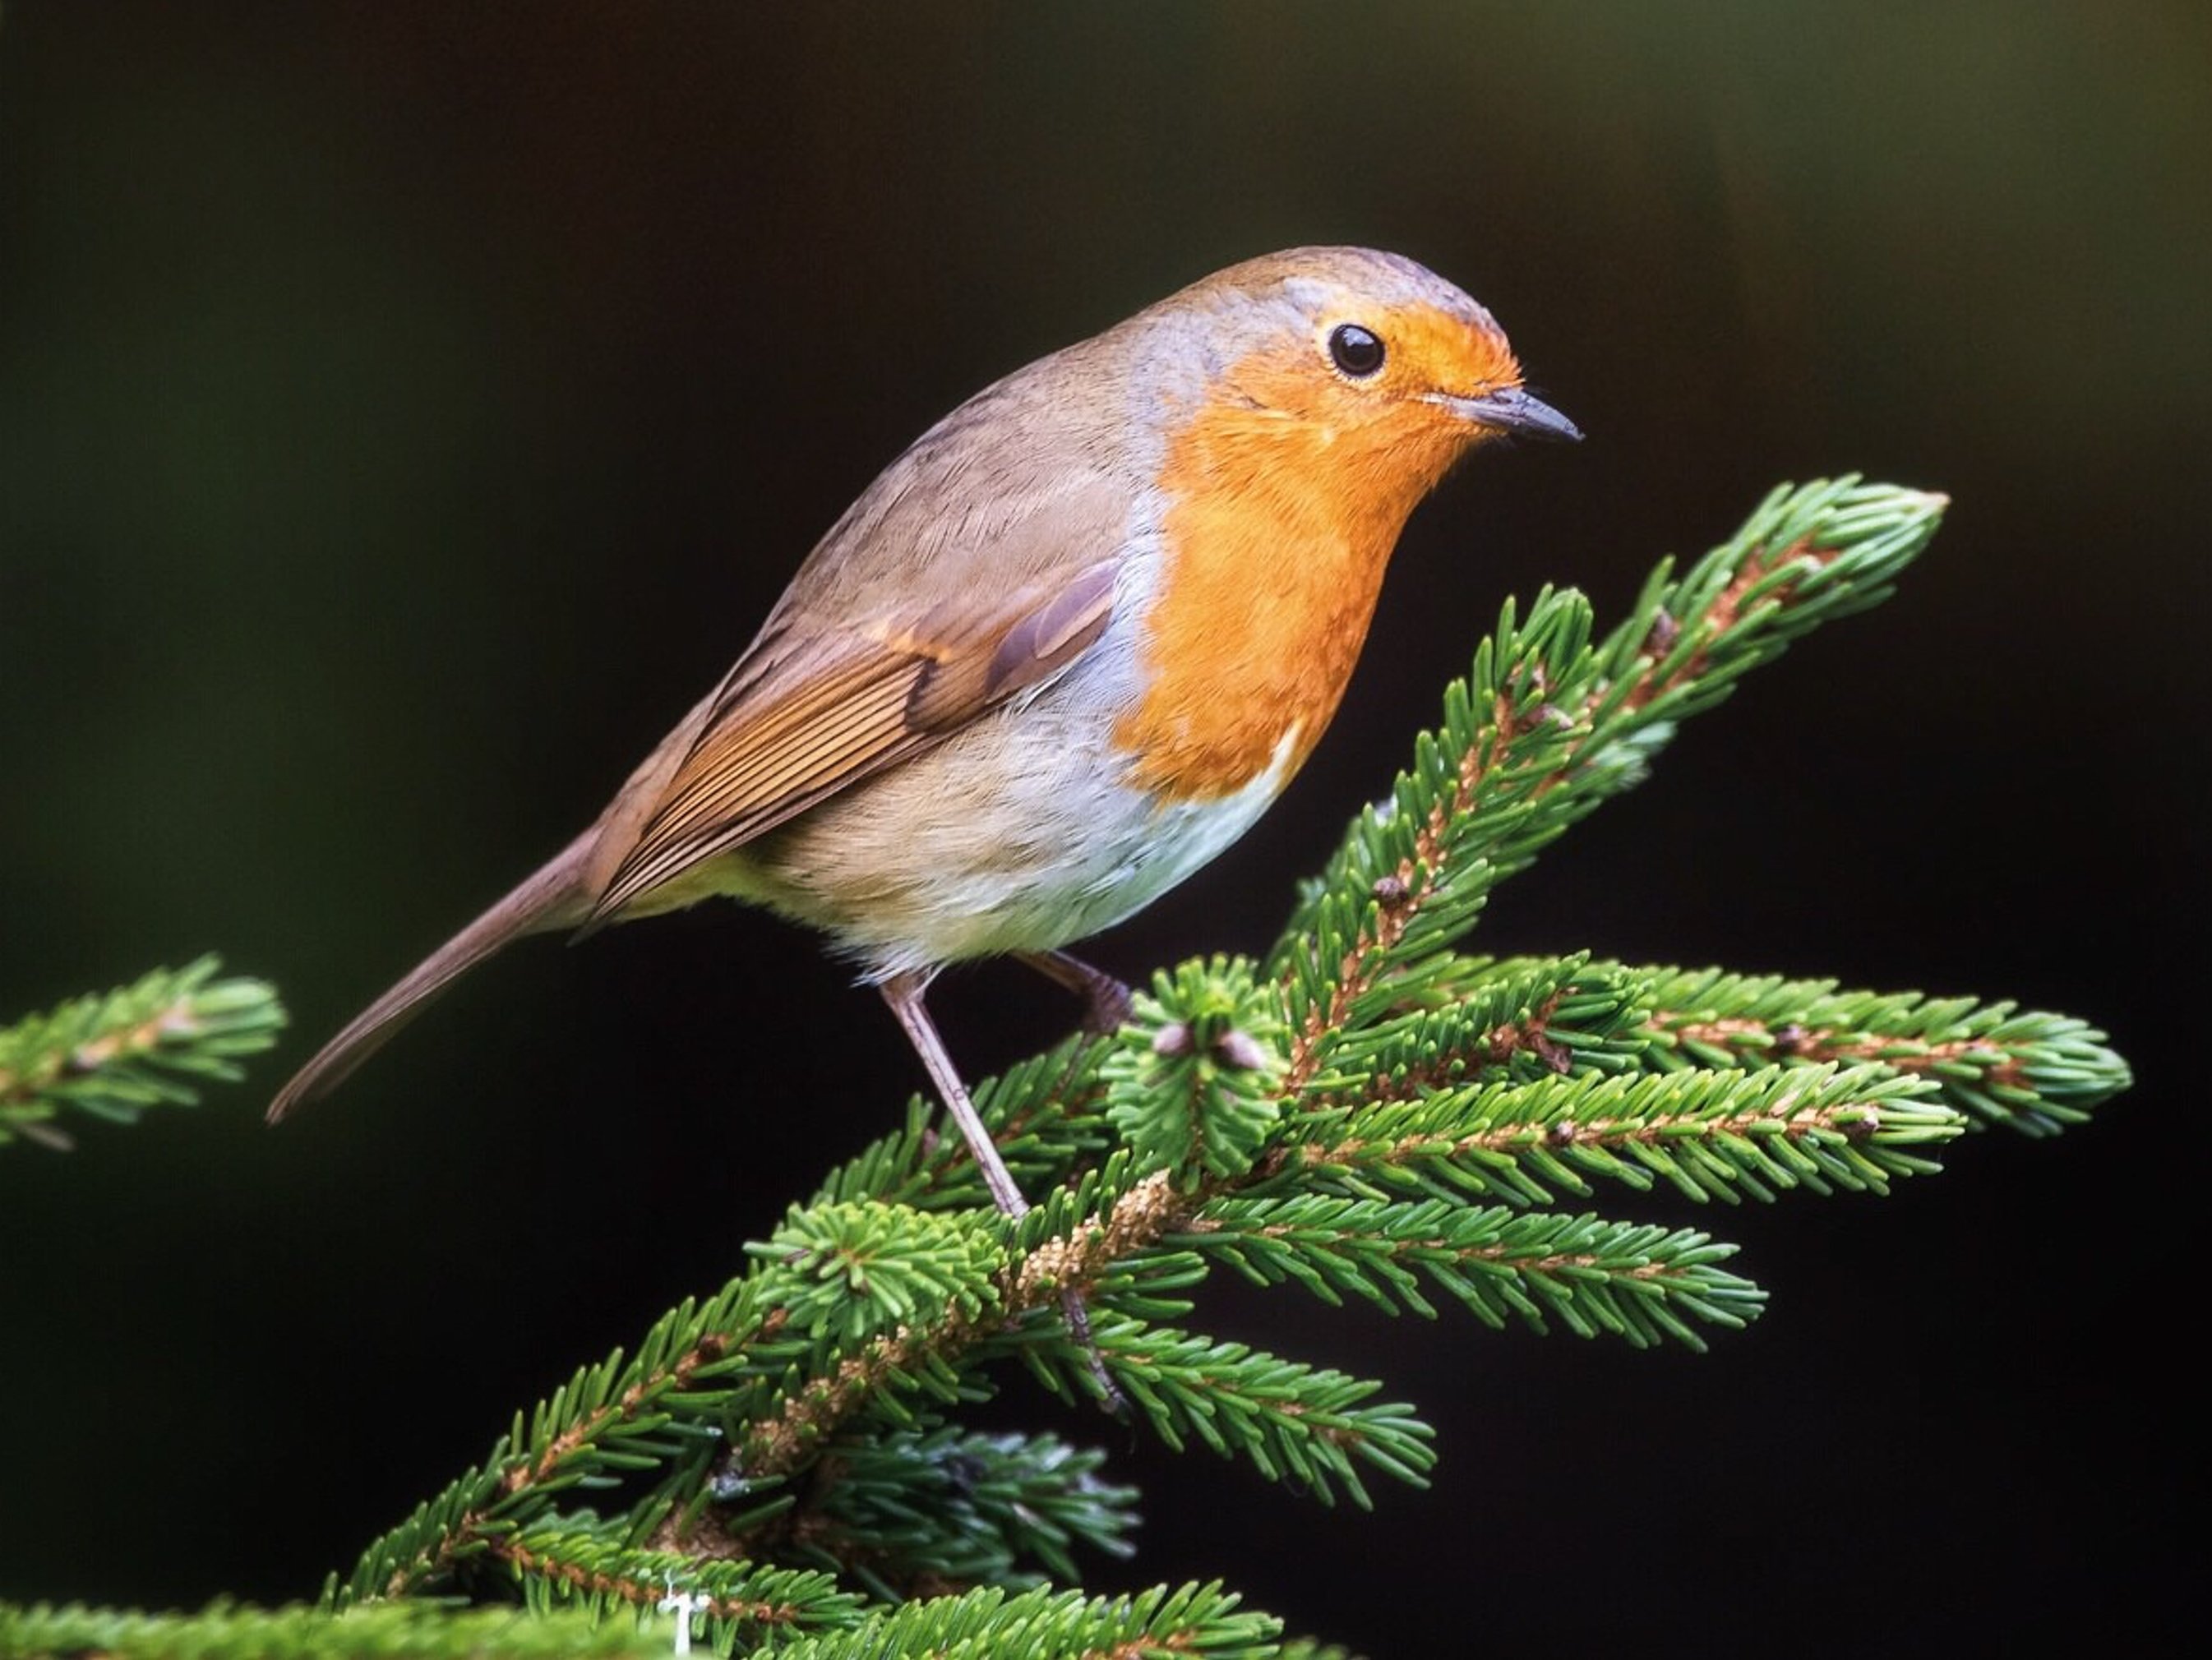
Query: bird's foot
[1106,1002]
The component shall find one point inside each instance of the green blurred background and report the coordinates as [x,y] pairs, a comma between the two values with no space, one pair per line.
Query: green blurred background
[406,410]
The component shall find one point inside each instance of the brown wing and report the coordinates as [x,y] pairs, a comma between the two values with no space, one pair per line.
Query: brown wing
[800,719]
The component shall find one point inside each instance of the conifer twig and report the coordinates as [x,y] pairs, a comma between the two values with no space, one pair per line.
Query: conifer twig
[1369,1113]
[114,1055]
[391,1631]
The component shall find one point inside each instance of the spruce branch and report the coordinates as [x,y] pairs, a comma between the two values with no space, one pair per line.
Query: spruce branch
[906,1510]
[1202,1620]
[115,1054]
[1632,1281]
[1709,1135]
[1491,1024]
[1292,1421]
[1550,722]
[740,1602]
[934,1359]
[1190,1080]
[1994,1063]
[621,1415]
[1484,1020]
[1367,1113]
[771,1363]
[394,1631]
[870,1267]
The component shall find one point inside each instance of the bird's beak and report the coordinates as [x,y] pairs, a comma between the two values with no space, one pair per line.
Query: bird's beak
[1512,411]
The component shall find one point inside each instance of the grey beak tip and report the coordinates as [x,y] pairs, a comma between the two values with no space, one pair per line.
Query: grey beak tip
[1534,418]
[1517,411]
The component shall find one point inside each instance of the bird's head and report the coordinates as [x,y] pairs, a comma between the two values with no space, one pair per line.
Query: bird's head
[1375,370]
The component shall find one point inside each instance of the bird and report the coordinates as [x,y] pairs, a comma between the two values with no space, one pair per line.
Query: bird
[1062,653]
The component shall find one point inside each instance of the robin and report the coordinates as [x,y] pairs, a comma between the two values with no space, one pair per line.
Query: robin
[1060,654]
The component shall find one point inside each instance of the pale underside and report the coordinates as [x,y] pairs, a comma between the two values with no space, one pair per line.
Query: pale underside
[1011,836]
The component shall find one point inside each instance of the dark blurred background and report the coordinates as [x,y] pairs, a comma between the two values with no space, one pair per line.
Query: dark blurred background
[406,410]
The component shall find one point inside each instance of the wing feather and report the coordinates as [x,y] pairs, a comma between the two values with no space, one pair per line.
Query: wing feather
[800,719]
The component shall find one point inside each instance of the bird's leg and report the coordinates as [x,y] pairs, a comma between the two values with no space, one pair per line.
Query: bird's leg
[903,993]
[1106,1001]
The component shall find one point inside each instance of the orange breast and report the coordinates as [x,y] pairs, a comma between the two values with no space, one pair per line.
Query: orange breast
[1278,529]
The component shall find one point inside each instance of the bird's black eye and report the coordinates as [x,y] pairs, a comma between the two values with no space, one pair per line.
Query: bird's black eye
[1355,350]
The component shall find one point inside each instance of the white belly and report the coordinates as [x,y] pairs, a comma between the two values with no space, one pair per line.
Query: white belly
[1020,833]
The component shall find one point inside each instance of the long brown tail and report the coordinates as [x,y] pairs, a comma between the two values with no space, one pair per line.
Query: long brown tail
[553,896]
